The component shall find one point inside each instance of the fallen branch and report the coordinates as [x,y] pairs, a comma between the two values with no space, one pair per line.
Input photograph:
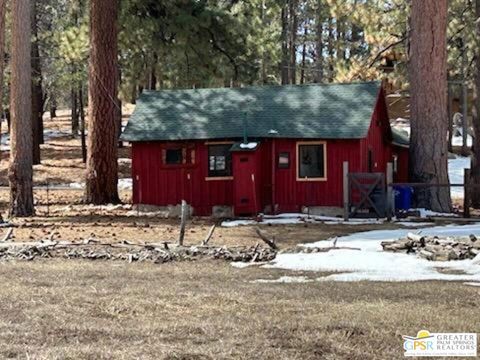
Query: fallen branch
[156,253]
[8,235]
[269,242]
[209,235]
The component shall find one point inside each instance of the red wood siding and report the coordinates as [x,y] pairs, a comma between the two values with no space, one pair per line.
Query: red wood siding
[158,184]
[291,195]
[378,140]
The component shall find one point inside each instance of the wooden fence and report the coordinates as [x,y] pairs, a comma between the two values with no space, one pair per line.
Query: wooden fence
[389,193]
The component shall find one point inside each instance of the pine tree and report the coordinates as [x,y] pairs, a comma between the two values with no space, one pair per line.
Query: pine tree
[102,168]
[21,155]
[429,125]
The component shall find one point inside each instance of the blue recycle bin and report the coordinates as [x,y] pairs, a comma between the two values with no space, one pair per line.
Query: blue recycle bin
[403,197]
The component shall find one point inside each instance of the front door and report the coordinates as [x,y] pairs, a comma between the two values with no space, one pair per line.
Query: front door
[246,199]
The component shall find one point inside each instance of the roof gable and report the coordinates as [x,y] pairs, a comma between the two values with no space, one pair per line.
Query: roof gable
[327,111]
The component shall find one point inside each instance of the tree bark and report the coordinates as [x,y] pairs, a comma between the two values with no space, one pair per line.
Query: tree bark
[20,172]
[304,56]
[53,106]
[74,106]
[102,153]
[429,122]
[284,40]
[450,118]
[475,172]
[331,50]
[152,78]
[293,41]
[37,91]
[319,45]
[82,126]
[3,10]
[264,78]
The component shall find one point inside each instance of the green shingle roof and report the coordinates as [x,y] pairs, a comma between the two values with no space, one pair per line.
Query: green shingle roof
[327,111]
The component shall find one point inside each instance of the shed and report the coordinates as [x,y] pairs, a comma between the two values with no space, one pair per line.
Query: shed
[257,149]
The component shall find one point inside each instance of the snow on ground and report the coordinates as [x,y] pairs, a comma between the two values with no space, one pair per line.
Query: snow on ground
[373,264]
[123,184]
[472,284]
[293,218]
[424,213]
[47,134]
[285,280]
[414,224]
[456,169]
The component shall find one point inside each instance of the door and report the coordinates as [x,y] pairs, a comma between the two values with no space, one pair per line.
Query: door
[245,183]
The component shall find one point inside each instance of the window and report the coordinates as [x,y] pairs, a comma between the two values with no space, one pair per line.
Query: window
[174,156]
[284,160]
[183,155]
[311,161]
[219,160]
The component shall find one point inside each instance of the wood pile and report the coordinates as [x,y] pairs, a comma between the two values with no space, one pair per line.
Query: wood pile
[435,248]
[125,251]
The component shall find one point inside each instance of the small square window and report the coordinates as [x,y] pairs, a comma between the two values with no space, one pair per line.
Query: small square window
[311,161]
[219,160]
[284,160]
[174,156]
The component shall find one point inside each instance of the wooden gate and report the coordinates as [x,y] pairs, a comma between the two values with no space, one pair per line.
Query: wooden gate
[367,195]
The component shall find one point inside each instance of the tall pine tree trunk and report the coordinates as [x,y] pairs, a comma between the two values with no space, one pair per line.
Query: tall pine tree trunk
[3,9]
[37,92]
[102,168]
[293,41]
[82,125]
[20,172]
[284,40]
[428,79]
[152,76]
[331,50]
[53,106]
[264,52]
[74,106]
[319,45]
[304,56]
[475,172]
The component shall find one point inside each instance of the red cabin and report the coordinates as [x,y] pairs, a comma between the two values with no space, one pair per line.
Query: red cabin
[258,149]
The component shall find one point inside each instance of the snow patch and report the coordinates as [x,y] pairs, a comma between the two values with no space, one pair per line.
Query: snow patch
[424,213]
[284,280]
[293,218]
[371,263]
[123,184]
[413,224]
[250,146]
[472,284]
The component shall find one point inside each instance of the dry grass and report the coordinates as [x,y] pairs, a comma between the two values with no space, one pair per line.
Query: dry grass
[210,310]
